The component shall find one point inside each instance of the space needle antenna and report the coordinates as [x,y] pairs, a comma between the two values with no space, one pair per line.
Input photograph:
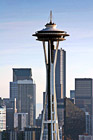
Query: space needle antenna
[51,16]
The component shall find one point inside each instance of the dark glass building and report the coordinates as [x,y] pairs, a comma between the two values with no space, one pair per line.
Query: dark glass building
[84,97]
[22,74]
[28,134]
[74,121]
[10,110]
[60,112]
[27,99]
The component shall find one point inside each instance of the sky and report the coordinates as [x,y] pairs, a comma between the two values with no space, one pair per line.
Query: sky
[19,19]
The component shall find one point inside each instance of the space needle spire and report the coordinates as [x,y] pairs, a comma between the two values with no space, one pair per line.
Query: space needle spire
[50,16]
[52,36]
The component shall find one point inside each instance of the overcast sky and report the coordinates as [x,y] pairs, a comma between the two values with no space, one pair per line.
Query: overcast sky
[19,19]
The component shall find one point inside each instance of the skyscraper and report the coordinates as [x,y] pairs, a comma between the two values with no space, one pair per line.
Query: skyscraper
[84,97]
[74,121]
[60,74]
[22,74]
[19,74]
[27,99]
[10,110]
[24,90]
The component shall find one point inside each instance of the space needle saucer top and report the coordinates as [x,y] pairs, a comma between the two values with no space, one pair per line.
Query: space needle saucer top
[50,32]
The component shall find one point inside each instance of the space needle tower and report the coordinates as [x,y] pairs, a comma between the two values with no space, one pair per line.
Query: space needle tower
[50,37]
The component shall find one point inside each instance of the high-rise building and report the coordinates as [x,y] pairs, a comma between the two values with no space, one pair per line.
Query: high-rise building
[84,97]
[19,74]
[2,118]
[74,121]
[22,74]
[10,110]
[27,99]
[60,112]
[14,91]
[60,74]
[24,90]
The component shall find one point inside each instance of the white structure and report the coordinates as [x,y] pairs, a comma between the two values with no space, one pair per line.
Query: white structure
[20,121]
[2,118]
[51,36]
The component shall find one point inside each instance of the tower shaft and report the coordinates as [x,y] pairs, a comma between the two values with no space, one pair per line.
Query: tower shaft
[50,61]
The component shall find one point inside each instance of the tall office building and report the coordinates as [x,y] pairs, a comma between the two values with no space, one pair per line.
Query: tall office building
[19,74]
[84,97]
[14,90]
[27,99]
[24,90]
[74,121]
[60,74]
[22,74]
[10,110]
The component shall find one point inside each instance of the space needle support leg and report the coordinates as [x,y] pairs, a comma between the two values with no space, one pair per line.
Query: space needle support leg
[44,109]
[49,89]
[54,119]
[50,61]
[55,100]
[44,47]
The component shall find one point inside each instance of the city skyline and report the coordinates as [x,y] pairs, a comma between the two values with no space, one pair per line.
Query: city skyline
[18,49]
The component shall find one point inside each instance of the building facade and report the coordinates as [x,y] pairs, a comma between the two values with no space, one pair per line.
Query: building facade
[84,97]
[72,94]
[60,74]
[60,112]
[87,118]
[74,121]
[22,74]
[27,99]
[24,90]
[27,134]
[14,91]
[20,121]
[2,118]
[10,110]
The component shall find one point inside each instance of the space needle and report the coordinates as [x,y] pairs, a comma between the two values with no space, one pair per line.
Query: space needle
[50,37]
